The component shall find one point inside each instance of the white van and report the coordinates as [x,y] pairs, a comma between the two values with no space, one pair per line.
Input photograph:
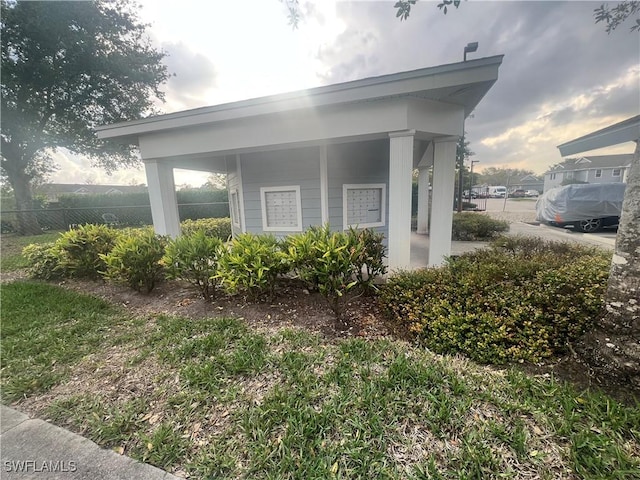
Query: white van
[497,192]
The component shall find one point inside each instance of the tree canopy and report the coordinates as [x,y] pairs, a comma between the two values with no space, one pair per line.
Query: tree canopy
[613,16]
[502,176]
[67,67]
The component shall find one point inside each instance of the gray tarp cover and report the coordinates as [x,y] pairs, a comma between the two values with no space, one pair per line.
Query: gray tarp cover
[572,203]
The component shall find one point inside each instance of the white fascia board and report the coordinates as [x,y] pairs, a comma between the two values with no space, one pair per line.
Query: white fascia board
[308,126]
[404,83]
[626,131]
[441,119]
[211,164]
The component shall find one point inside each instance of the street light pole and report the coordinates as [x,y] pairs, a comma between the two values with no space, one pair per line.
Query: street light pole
[460,169]
[469,48]
[471,179]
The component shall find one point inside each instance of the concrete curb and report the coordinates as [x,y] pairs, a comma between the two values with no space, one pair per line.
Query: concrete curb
[35,449]
[555,233]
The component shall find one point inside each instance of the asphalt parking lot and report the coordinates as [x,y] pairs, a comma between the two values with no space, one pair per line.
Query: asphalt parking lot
[521,215]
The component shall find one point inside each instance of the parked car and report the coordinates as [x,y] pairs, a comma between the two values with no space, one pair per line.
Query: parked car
[519,193]
[497,191]
[474,194]
[531,193]
[586,207]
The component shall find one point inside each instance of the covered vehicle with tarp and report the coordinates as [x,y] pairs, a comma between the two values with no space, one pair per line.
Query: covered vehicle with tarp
[586,207]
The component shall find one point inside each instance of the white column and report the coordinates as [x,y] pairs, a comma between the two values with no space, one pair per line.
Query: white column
[423,201]
[162,195]
[324,185]
[243,223]
[444,170]
[426,162]
[400,170]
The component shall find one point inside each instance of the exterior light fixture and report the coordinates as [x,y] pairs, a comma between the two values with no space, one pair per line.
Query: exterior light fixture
[470,48]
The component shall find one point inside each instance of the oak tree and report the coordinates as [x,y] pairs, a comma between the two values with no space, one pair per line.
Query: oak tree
[67,67]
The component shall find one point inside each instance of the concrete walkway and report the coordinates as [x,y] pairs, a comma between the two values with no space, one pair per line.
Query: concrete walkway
[605,240]
[35,449]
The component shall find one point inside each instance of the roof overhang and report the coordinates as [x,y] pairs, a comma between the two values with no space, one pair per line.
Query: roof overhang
[461,85]
[625,131]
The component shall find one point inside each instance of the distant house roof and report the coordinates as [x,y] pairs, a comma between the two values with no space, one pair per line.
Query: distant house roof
[529,181]
[591,162]
[54,190]
[530,178]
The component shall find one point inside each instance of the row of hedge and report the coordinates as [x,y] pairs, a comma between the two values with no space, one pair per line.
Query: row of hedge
[331,262]
[469,226]
[521,299]
[139,199]
[130,209]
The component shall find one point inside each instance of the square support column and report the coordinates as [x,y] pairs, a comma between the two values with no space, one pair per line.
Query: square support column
[426,162]
[400,171]
[423,201]
[162,195]
[444,170]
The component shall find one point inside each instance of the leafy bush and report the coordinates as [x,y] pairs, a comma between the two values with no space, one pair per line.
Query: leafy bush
[475,226]
[521,299]
[43,261]
[333,262]
[301,250]
[252,265]
[81,250]
[194,258]
[135,260]
[212,227]
[368,256]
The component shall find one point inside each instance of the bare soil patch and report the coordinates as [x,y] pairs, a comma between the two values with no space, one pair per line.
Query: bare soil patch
[292,306]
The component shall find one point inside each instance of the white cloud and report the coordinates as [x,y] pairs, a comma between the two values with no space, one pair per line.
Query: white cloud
[562,75]
[193,77]
[78,169]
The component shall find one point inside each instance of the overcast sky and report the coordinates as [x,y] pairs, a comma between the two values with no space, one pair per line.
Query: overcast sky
[562,75]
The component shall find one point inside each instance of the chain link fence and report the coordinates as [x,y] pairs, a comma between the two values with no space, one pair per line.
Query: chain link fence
[117,216]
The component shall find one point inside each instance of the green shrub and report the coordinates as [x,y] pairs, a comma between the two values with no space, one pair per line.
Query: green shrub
[81,250]
[252,265]
[43,260]
[327,261]
[471,226]
[368,252]
[212,227]
[302,250]
[135,260]
[194,258]
[519,300]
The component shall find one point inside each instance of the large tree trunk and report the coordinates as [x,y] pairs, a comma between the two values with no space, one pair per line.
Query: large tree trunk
[613,349]
[15,160]
[27,220]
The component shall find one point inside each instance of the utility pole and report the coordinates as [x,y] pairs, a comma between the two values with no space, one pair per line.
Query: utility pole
[473,162]
[469,48]
[461,173]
